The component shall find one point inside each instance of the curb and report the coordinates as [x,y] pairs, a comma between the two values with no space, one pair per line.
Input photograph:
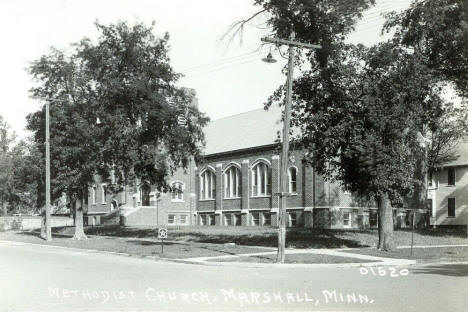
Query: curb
[293,265]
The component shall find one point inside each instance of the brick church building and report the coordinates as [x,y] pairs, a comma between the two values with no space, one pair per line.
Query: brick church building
[235,185]
[238,179]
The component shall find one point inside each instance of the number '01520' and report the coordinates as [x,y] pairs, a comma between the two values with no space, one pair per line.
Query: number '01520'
[380,271]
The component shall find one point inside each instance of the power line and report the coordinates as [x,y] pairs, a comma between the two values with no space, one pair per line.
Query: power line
[221,62]
[221,68]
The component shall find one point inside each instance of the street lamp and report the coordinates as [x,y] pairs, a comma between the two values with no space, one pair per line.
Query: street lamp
[269,58]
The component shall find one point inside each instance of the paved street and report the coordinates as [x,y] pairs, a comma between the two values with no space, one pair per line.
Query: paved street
[39,278]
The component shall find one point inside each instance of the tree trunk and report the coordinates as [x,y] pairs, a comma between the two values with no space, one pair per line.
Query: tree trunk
[43,223]
[386,242]
[79,232]
[420,192]
[5,214]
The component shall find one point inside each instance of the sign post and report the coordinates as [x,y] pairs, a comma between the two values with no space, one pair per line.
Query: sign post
[162,234]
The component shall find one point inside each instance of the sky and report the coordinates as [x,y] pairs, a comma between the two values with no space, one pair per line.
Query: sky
[228,79]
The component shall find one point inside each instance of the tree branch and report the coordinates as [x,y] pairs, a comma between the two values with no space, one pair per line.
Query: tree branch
[237,28]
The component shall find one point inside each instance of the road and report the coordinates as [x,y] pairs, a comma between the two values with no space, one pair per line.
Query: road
[42,278]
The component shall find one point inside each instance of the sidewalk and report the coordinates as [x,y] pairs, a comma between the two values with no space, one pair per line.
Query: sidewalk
[351,259]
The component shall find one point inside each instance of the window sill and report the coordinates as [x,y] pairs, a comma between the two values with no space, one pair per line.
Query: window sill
[260,196]
[227,198]
[451,217]
[206,200]
[177,200]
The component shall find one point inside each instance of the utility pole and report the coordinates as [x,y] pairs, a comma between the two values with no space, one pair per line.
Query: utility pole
[283,192]
[47,207]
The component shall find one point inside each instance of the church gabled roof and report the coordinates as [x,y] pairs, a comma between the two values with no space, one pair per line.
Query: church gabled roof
[247,130]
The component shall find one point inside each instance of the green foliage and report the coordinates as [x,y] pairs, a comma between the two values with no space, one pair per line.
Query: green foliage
[126,81]
[18,188]
[7,190]
[438,30]
[314,21]
[361,124]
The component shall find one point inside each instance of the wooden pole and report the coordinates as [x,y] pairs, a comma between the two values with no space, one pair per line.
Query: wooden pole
[47,208]
[285,144]
[285,158]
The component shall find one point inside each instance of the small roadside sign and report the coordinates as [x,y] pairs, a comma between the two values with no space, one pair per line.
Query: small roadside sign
[162,233]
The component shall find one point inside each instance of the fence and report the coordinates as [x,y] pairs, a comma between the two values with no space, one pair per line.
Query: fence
[31,222]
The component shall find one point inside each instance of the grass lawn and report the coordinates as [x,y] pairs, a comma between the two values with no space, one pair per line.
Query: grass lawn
[293,258]
[440,253]
[267,236]
[134,246]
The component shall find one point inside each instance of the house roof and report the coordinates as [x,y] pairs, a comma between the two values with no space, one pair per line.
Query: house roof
[461,154]
[243,131]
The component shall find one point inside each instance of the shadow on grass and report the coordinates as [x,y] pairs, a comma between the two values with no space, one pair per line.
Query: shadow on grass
[440,232]
[148,243]
[459,270]
[36,233]
[246,236]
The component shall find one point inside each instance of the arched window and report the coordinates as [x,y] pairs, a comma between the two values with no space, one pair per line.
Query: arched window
[207,185]
[177,191]
[261,180]
[93,195]
[103,193]
[145,191]
[292,178]
[232,182]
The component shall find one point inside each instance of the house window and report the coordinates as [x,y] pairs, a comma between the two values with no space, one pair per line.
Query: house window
[292,219]
[177,193]
[103,193]
[255,218]
[451,176]
[124,194]
[266,218]
[207,185]
[211,219]
[183,219]
[347,219]
[429,179]
[451,207]
[203,219]
[93,195]
[292,176]
[373,218]
[261,180]
[232,182]
[237,220]
[228,219]
[145,191]
[171,219]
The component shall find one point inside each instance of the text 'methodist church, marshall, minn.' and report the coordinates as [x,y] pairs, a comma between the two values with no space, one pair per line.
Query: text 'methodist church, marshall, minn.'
[236,183]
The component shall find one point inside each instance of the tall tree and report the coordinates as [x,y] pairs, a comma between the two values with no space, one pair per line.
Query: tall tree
[126,81]
[438,31]
[140,105]
[361,123]
[7,189]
